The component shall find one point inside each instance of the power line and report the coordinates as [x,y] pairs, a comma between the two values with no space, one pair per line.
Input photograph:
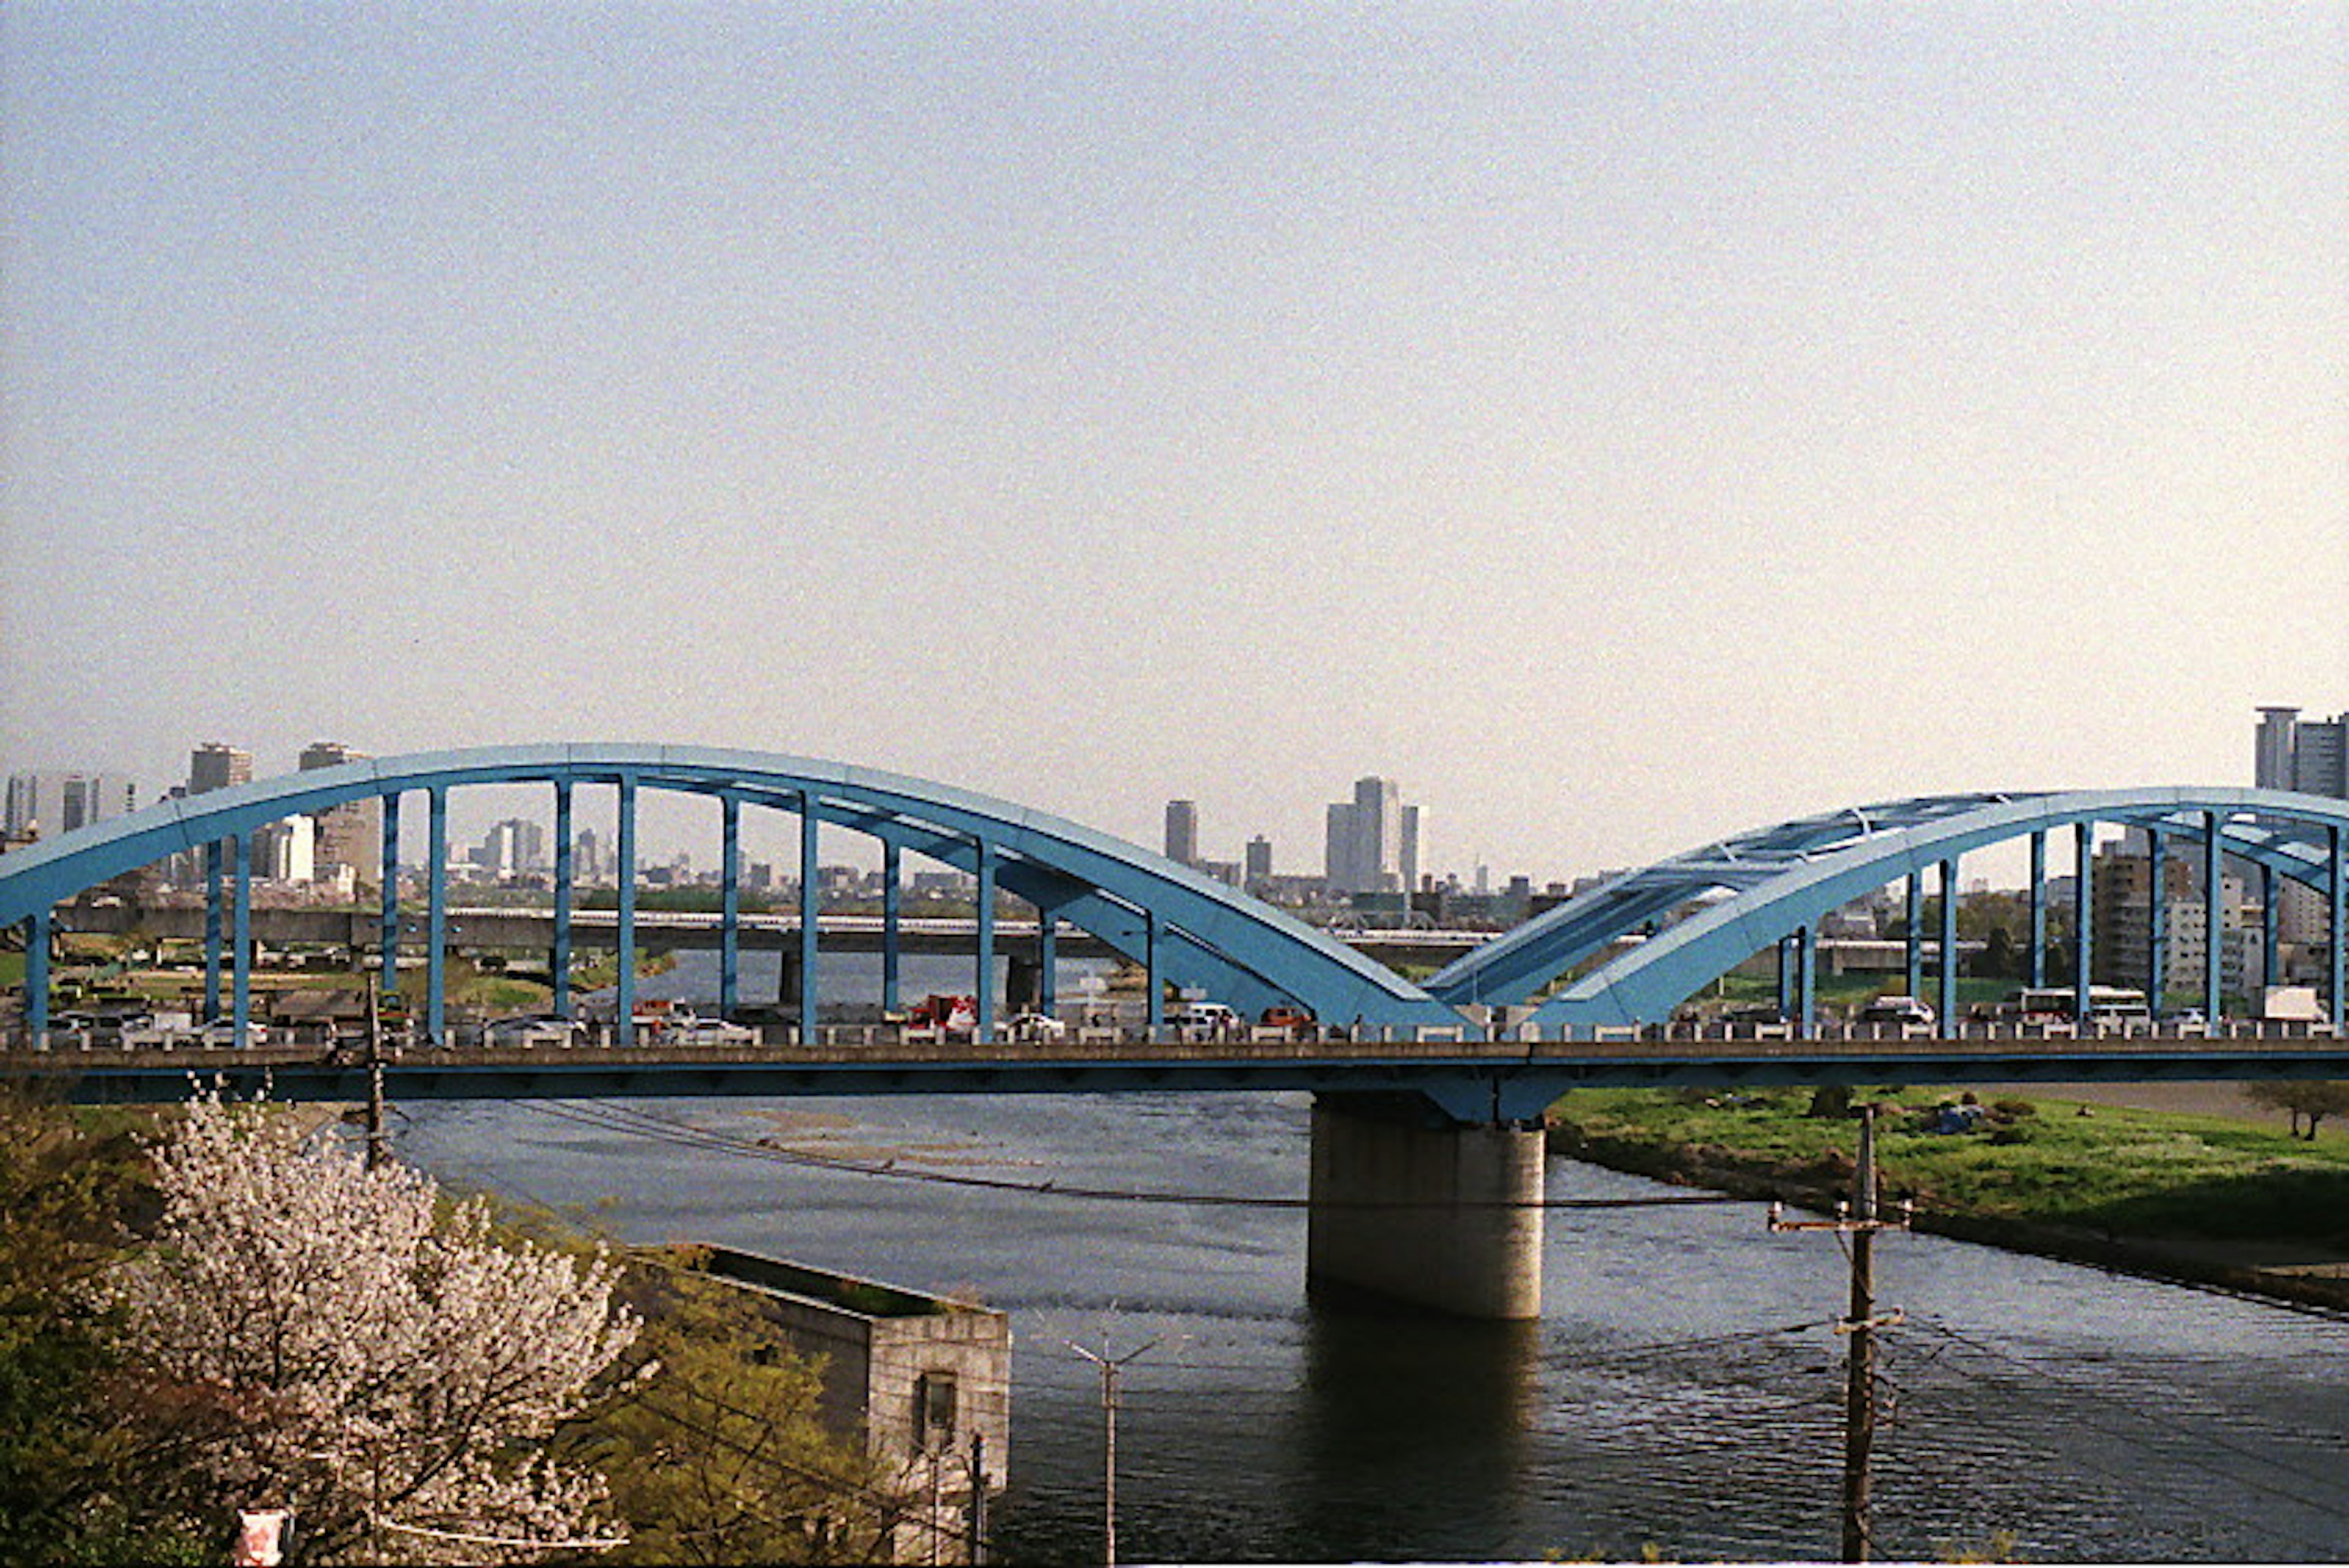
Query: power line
[2148,1416]
[685,1135]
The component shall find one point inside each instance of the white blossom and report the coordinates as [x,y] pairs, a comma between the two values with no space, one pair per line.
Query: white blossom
[347,1356]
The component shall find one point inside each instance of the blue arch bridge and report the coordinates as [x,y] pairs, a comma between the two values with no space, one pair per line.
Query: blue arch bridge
[1426,1154]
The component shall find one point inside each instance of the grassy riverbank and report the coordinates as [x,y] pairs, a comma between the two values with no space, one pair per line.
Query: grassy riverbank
[2203,1198]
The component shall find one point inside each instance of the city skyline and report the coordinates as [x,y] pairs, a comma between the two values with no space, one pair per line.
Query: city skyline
[1625,428]
[2286,752]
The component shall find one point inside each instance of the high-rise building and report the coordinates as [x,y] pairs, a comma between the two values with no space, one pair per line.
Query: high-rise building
[48,804]
[286,851]
[1183,832]
[2310,755]
[350,834]
[1259,862]
[212,766]
[1372,843]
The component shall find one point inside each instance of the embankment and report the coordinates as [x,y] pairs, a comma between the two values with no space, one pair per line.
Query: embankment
[1775,1157]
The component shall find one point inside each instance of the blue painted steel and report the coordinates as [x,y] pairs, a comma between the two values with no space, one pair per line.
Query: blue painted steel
[624,922]
[2083,942]
[436,919]
[1916,942]
[36,971]
[1949,977]
[388,929]
[1211,936]
[1153,981]
[1732,901]
[2337,927]
[1506,1087]
[730,877]
[811,909]
[2271,960]
[2039,907]
[1048,961]
[240,959]
[1806,945]
[986,989]
[1650,938]
[214,899]
[2157,921]
[559,962]
[892,901]
[1786,986]
[2214,934]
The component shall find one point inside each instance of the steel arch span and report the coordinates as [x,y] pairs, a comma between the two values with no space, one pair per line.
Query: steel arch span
[1738,896]
[1183,927]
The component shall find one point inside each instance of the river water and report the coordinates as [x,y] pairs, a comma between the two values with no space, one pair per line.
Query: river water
[1683,1391]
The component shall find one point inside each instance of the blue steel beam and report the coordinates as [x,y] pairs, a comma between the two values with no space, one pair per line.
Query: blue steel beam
[811,928]
[1644,982]
[436,919]
[730,877]
[558,960]
[1949,977]
[240,960]
[387,980]
[625,920]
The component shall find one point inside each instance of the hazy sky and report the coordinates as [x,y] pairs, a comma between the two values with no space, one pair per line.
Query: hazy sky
[1622,424]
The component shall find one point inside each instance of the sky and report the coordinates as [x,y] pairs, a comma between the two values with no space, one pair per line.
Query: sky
[1621,424]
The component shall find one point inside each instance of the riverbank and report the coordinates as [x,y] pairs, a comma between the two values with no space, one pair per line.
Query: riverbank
[2203,1199]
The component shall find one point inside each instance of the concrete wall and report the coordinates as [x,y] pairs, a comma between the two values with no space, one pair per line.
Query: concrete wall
[879,1342]
[1438,1215]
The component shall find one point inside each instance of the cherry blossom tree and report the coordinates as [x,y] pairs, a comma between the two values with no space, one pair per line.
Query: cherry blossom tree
[388,1373]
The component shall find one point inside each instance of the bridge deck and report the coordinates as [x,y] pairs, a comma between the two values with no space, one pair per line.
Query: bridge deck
[886,1060]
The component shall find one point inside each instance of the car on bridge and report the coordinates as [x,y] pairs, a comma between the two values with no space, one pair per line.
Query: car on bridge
[534,1029]
[688,1029]
[1905,1011]
[1034,1026]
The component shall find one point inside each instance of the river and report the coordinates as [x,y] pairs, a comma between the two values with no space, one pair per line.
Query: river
[1683,1391]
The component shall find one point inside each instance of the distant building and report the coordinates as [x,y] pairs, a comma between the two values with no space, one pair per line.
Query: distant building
[1371,842]
[1259,863]
[1183,832]
[212,766]
[285,851]
[2310,755]
[44,804]
[514,847]
[350,834]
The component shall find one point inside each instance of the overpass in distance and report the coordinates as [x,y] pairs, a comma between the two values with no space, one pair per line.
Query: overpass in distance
[1426,1161]
[525,929]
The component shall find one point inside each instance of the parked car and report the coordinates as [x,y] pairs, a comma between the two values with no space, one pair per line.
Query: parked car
[692,1031]
[534,1029]
[1901,1010]
[1206,1021]
[222,1032]
[1298,1021]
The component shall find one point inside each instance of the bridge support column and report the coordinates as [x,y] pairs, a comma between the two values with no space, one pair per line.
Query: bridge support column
[2214,935]
[240,960]
[2038,971]
[436,919]
[388,980]
[215,894]
[892,902]
[37,976]
[558,960]
[1408,1207]
[1947,1010]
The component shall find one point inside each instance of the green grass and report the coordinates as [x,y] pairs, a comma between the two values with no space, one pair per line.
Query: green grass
[2138,1173]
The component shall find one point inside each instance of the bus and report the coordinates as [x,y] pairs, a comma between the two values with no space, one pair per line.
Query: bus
[2047,1004]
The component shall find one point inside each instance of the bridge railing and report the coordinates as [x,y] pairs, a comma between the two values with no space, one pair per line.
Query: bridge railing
[1521,1044]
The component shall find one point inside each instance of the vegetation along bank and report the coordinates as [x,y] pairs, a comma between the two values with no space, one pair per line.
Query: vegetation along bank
[2208,1199]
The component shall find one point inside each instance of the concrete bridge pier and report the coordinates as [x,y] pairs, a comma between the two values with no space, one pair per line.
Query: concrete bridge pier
[1409,1205]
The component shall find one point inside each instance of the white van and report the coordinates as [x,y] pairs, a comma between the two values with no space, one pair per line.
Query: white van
[1206,1021]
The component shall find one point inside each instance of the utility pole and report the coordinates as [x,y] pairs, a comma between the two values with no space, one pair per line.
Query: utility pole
[1111,1366]
[976,1518]
[1858,1219]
